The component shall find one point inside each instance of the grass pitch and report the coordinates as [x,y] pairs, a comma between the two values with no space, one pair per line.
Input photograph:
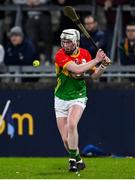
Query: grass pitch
[56,168]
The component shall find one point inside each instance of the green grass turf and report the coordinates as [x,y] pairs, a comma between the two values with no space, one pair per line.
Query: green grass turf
[51,168]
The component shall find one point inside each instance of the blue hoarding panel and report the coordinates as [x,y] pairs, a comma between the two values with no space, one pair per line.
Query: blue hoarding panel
[108,122]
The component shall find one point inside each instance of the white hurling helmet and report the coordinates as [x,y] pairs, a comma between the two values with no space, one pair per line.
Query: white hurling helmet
[71,34]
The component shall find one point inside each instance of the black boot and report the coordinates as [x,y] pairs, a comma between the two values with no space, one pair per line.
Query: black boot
[72,165]
[80,165]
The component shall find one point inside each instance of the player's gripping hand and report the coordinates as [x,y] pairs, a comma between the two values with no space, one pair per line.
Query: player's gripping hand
[100,56]
[106,61]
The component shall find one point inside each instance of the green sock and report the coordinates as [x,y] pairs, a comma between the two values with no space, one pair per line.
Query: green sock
[78,157]
[72,153]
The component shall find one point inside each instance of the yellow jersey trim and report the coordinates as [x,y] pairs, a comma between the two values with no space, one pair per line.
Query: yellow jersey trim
[91,71]
[57,69]
[94,68]
[76,55]
[67,64]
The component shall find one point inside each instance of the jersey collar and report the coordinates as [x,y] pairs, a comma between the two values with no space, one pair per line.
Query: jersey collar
[76,55]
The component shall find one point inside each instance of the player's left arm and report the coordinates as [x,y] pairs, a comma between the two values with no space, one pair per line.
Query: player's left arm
[101,68]
[96,72]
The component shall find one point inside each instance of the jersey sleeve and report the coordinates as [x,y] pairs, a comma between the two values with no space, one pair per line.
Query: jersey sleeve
[61,60]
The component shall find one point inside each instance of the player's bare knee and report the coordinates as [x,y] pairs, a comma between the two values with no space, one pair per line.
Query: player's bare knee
[72,126]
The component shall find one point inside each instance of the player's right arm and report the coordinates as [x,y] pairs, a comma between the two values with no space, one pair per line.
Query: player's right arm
[78,69]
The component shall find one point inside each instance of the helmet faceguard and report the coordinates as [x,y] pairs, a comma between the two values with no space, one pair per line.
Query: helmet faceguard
[72,35]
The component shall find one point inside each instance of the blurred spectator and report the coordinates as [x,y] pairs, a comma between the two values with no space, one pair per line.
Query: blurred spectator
[98,36]
[110,14]
[19,50]
[38,27]
[65,22]
[2,53]
[131,2]
[2,15]
[127,46]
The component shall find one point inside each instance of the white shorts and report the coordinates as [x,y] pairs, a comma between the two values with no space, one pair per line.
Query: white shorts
[62,106]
